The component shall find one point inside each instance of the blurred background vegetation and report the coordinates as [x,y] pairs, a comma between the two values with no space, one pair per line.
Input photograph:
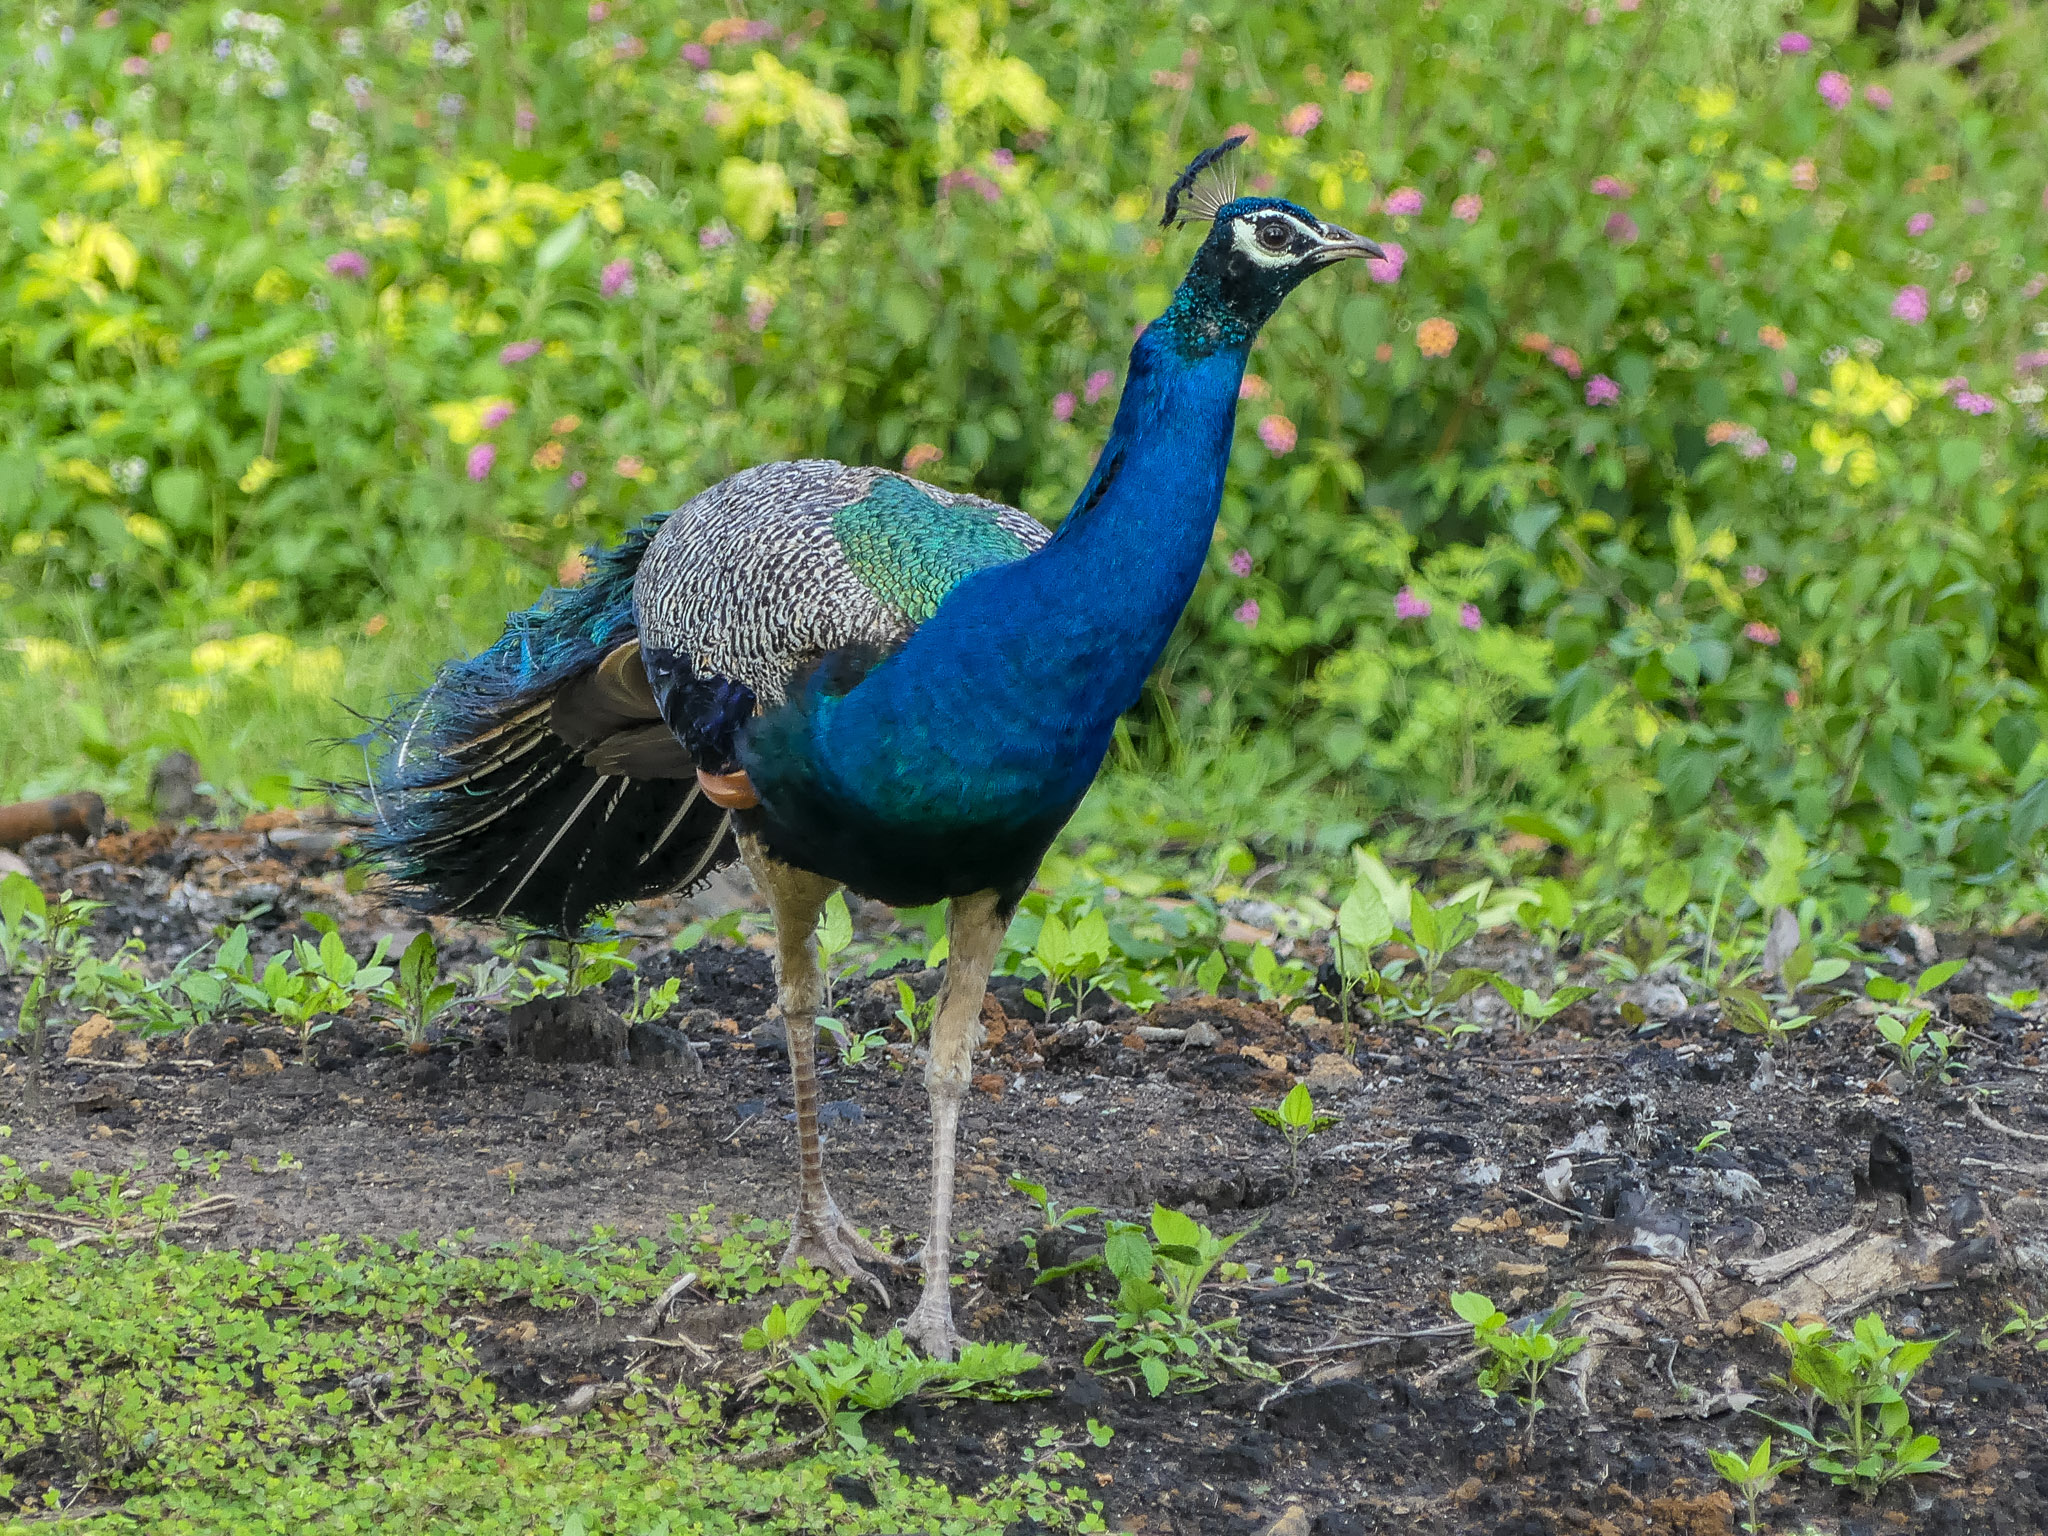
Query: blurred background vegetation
[1670,508]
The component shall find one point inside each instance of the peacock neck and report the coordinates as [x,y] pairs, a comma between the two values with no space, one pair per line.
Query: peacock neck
[1133,546]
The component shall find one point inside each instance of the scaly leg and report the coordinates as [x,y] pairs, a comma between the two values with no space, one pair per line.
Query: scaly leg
[974,932]
[821,1235]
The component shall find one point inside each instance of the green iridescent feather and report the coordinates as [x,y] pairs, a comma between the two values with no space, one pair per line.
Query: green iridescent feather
[911,549]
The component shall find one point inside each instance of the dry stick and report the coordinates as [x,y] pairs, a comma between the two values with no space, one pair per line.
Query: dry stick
[1378,1338]
[1976,1112]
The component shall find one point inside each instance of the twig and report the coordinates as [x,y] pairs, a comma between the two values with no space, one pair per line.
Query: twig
[691,1345]
[1378,1338]
[2027,1170]
[1976,1112]
[659,1311]
[1963,49]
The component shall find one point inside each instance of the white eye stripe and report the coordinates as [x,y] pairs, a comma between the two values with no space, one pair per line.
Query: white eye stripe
[1244,235]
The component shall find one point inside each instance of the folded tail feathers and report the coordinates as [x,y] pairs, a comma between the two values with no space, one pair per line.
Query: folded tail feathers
[498,794]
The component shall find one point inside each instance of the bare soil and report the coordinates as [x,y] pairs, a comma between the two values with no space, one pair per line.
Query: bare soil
[1434,1182]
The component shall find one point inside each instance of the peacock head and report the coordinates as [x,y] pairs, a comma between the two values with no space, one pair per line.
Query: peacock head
[1258,248]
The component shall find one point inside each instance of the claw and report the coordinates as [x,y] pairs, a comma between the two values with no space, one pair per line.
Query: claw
[829,1241]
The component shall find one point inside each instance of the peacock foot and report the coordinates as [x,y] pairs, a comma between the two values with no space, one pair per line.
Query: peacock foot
[827,1239]
[930,1326]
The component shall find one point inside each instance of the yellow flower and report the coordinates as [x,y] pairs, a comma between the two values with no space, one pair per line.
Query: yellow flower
[293,359]
[316,670]
[42,654]
[86,473]
[464,419]
[1713,102]
[274,286]
[1436,336]
[260,473]
[145,529]
[1839,449]
[185,698]
[1857,388]
[242,655]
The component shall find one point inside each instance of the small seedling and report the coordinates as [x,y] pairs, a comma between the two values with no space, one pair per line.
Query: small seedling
[417,993]
[2023,1325]
[1069,1220]
[1069,958]
[779,1330]
[1863,1379]
[1753,1476]
[1530,1006]
[1518,1358]
[915,1017]
[1297,1120]
[1904,1020]
[1153,1328]
[652,1006]
[56,933]
[1721,1129]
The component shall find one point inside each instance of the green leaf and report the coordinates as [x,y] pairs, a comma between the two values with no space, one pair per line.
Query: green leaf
[1155,1373]
[1668,888]
[1209,974]
[558,246]
[1175,1227]
[1127,1253]
[1363,920]
[1688,775]
[835,926]
[1935,975]
[1477,1309]
[1297,1109]
[20,896]
[2014,738]
[1423,925]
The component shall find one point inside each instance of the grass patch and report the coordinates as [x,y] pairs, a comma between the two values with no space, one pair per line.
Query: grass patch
[345,1386]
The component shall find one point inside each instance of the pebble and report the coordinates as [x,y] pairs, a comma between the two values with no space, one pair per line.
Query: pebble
[1293,1523]
[1331,1073]
[1202,1035]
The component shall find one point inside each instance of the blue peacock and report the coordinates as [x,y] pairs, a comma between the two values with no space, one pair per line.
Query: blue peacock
[847,677]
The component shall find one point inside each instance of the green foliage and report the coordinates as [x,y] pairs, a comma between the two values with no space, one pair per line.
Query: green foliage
[842,1380]
[1297,1120]
[1517,1357]
[1768,609]
[1152,1328]
[52,942]
[304,988]
[1753,1475]
[1863,1380]
[564,967]
[417,993]
[344,1385]
[1905,1020]
[1069,1218]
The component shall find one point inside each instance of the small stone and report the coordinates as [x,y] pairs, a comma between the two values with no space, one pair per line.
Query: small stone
[1203,1036]
[1761,1310]
[260,1062]
[1737,1187]
[991,1083]
[1468,1490]
[1983,1459]
[1271,1061]
[12,863]
[1293,1523]
[1331,1073]
[98,1038]
[769,1035]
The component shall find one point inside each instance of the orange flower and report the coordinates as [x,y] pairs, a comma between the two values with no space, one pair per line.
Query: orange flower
[1534,341]
[920,455]
[562,426]
[548,456]
[1771,337]
[1436,336]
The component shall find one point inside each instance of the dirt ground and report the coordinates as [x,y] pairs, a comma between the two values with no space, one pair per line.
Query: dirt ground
[1442,1176]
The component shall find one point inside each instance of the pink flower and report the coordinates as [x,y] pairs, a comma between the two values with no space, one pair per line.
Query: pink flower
[1789,381]
[1251,387]
[1388,270]
[1755,575]
[1468,208]
[1910,305]
[1805,176]
[599,9]
[481,458]
[1621,229]
[2036,286]
[1063,405]
[628,466]
[759,308]
[1795,42]
[1357,81]
[1919,224]
[1760,632]
[696,54]
[1791,698]
[973,181]
[1565,358]
[616,278]
[1097,386]
[2030,362]
[524,118]
[496,415]
[1878,96]
[1301,120]
[578,479]
[1277,433]
[1408,606]
[348,264]
[1834,89]
[160,42]
[1611,186]
[1601,390]
[135,66]
[518,352]
[1469,616]
[1248,612]
[1970,403]
[714,235]
[1403,200]
[1241,562]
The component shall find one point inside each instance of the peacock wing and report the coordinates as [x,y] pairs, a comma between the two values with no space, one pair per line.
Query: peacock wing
[778,569]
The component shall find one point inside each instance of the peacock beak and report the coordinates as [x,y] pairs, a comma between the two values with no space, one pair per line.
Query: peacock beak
[1339,243]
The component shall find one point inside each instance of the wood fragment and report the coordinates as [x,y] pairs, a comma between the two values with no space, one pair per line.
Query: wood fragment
[1977,1113]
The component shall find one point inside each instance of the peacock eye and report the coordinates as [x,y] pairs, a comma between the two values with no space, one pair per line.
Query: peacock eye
[1274,234]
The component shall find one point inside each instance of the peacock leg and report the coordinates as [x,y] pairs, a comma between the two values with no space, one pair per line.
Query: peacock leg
[974,932]
[820,1235]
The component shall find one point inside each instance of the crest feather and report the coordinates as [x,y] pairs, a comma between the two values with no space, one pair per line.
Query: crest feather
[1205,185]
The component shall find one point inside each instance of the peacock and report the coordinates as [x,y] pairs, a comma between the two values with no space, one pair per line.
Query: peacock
[847,677]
